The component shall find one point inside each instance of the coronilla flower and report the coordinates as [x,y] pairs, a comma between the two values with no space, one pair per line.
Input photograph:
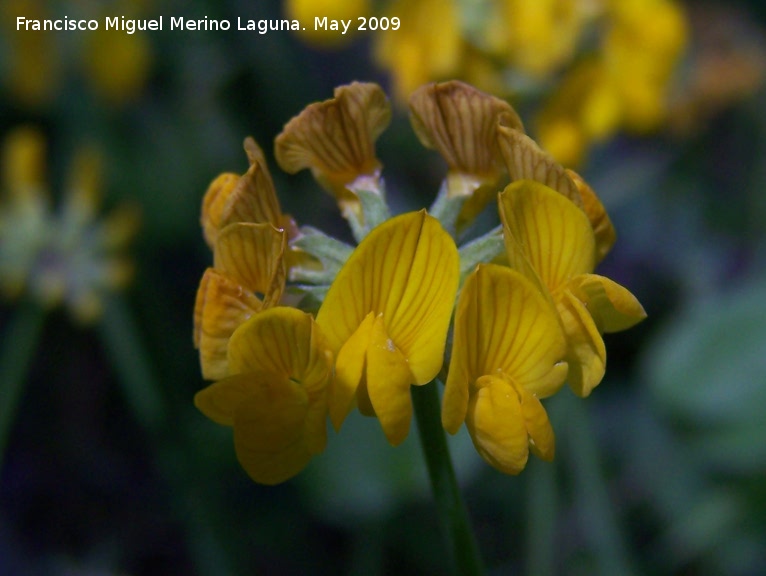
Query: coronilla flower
[384,308]
[276,395]
[508,352]
[59,257]
[386,317]
[336,140]
[551,240]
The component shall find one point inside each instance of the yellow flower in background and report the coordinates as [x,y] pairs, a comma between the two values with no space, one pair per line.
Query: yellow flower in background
[276,395]
[66,257]
[508,352]
[426,47]
[550,240]
[306,11]
[386,317]
[116,65]
[336,140]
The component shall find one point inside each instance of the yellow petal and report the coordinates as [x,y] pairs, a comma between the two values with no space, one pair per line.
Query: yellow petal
[283,341]
[551,233]
[349,369]
[541,439]
[525,160]
[599,219]
[247,198]
[586,353]
[251,254]
[221,306]
[496,425]
[388,384]
[269,431]
[460,122]
[611,305]
[407,270]
[23,163]
[220,400]
[336,138]
[503,324]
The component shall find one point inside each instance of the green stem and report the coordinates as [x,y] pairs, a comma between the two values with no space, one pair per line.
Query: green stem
[21,339]
[449,502]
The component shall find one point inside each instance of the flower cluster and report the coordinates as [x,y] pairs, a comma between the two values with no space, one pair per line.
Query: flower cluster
[522,305]
[612,61]
[65,257]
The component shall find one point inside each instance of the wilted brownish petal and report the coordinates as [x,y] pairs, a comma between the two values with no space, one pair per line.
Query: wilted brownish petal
[460,122]
[247,198]
[599,219]
[525,160]
[336,138]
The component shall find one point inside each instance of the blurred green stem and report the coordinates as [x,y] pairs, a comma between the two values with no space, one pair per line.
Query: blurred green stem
[602,528]
[541,517]
[452,512]
[20,343]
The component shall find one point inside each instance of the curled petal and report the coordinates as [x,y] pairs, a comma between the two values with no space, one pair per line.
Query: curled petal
[503,324]
[525,160]
[460,122]
[336,138]
[599,219]
[612,306]
[221,306]
[252,255]
[247,198]
[547,231]
[586,351]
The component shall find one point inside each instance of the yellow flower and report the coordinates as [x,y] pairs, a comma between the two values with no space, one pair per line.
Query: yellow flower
[65,257]
[386,317]
[276,396]
[460,122]
[336,140]
[507,353]
[307,11]
[550,240]
[427,47]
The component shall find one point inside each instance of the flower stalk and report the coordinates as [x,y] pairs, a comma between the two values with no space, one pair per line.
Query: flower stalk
[452,511]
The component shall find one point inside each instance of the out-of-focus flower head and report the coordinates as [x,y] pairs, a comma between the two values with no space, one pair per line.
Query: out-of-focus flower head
[116,65]
[325,35]
[68,256]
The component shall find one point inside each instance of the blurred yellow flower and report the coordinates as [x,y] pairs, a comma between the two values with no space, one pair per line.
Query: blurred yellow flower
[65,257]
[427,46]
[326,11]
[386,317]
[508,352]
[276,394]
